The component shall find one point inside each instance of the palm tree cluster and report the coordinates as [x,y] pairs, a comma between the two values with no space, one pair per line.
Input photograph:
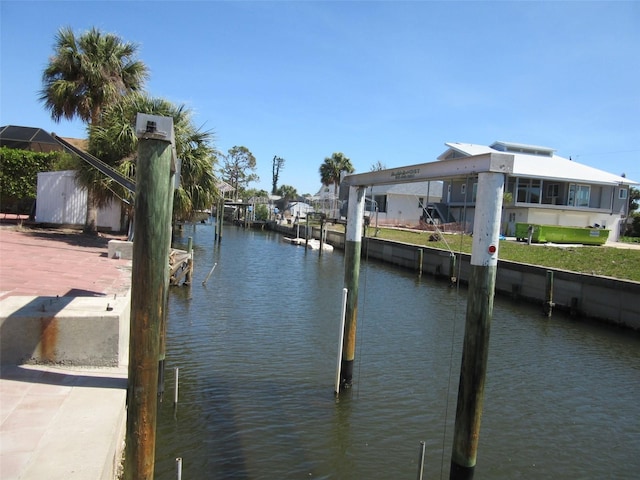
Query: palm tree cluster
[96,77]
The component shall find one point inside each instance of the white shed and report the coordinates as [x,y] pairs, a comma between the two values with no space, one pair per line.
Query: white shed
[60,200]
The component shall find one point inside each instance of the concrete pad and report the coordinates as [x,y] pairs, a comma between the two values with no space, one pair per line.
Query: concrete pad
[68,422]
[90,331]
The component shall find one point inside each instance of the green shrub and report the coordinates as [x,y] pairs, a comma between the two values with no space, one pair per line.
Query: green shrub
[19,175]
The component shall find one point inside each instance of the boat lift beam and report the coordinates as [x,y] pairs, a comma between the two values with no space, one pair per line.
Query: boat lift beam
[98,164]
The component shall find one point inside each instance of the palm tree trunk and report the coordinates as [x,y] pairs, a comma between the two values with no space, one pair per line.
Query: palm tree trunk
[91,222]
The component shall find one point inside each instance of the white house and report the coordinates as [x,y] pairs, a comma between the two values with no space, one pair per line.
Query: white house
[544,188]
[405,204]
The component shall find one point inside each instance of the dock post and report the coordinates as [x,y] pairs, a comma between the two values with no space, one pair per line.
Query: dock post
[453,278]
[352,251]
[219,220]
[149,286]
[548,302]
[482,279]
[322,230]
[420,260]
[343,312]
[189,274]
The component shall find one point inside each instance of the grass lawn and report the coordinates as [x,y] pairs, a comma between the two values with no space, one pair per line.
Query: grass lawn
[603,261]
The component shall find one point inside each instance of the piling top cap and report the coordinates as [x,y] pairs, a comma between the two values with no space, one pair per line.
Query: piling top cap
[157,127]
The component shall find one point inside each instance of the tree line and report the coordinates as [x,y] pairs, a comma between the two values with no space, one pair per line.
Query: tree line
[97,78]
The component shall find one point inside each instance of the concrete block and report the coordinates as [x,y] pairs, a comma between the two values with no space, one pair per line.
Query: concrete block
[120,249]
[84,331]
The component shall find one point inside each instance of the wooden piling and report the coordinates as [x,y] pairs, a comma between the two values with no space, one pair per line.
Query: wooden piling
[189,274]
[322,235]
[219,220]
[453,277]
[420,260]
[353,249]
[484,264]
[548,301]
[150,282]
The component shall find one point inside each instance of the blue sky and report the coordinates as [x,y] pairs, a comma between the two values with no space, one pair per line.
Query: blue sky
[379,81]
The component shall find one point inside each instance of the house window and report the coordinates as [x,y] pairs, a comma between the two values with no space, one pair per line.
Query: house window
[552,190]
[474,192]
[381,202]
[622,194]
[579,195]
[529,190]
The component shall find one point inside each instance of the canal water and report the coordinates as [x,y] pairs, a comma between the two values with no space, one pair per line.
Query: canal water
[256,349]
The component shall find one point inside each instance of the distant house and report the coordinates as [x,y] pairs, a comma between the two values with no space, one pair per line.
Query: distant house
[544,188]
[405,204]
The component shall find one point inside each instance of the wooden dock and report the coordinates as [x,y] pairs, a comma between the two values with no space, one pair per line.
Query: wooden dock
[180,266]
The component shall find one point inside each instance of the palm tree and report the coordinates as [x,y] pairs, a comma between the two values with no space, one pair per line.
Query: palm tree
[84,75]
[331,170]
[115,142]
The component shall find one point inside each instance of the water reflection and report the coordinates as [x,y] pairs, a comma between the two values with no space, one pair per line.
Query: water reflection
[257,347]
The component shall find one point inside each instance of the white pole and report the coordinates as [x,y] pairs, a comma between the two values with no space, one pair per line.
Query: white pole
[175,392]
[342,320]
[206,279]
[179,468]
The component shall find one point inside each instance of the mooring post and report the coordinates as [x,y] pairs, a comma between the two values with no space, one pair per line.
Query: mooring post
[420,260]
[189,274]
[343,312]
[484,263]
[220,220]
[150,282]
[548,302]
[322,228]
[452,269]
[352,251]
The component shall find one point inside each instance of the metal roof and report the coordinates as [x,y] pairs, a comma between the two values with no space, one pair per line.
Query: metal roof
[27,138]
[551,167]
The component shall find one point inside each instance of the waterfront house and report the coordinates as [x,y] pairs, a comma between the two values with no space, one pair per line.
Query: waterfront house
[405,204]
[543,188]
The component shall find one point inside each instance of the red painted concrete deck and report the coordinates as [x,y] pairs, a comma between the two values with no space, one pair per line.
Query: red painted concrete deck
[59,262]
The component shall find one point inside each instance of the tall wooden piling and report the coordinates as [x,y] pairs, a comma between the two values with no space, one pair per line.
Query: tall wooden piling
[219,220]
[150,282]
[353,248]
[484,262]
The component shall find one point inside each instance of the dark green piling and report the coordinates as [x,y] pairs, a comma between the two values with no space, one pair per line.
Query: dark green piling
[150,282]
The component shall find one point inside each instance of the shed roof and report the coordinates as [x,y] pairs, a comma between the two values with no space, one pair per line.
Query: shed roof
[545,166]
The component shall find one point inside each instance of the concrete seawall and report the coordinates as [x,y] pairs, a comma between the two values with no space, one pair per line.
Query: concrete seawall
[605,299]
